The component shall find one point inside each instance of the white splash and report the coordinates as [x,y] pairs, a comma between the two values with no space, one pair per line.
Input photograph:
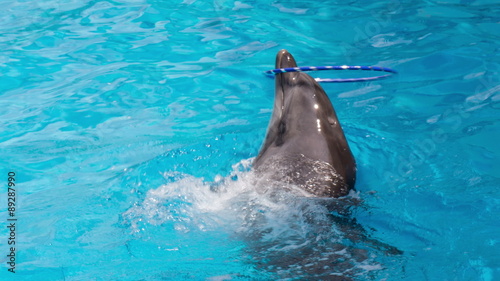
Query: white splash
[277,226]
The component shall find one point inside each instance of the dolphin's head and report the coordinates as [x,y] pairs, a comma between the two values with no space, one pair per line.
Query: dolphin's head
[304,124]
[301,104]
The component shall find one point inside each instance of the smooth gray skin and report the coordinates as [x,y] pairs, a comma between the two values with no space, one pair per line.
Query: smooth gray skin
[304,137]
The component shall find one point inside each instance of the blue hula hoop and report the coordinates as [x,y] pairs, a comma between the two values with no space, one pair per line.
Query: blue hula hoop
[271,73]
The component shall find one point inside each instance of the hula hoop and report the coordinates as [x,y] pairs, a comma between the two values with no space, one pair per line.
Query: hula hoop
[272,72]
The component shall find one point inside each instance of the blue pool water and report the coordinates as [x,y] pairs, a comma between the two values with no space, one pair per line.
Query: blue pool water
[118,118]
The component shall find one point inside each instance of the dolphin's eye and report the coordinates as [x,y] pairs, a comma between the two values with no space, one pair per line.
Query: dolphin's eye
[281,128]
[281,131]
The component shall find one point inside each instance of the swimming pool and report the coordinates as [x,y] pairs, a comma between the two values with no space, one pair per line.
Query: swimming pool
[119,117]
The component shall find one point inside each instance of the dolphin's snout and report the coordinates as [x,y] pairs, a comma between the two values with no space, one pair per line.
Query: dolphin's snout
[284,59]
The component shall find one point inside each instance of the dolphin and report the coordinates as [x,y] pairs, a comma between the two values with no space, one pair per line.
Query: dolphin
[305,145]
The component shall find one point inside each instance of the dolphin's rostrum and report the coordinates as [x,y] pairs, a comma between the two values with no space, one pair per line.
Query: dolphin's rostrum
[305,144]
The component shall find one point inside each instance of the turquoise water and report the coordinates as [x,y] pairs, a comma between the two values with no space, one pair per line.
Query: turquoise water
[119,118]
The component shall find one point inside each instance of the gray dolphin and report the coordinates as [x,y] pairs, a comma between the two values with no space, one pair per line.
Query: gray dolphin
[305,144]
